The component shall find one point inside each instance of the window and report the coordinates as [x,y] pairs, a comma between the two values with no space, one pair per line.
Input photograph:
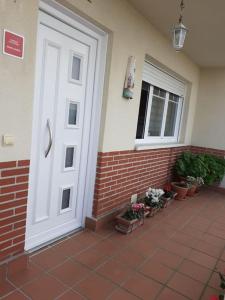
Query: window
[72,114]
[160,108]
[66,198]
[75,68]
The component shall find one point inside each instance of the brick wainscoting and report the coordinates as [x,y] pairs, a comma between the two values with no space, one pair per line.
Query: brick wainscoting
[199,150]
[13,204]
[123,173]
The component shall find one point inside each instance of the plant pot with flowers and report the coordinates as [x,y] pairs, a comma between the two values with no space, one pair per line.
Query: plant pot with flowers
[200,182]
[181,189]
[131,218]
[192,184]
[153,201]
[168,196]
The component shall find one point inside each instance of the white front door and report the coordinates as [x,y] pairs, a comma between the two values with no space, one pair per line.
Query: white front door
[64,88]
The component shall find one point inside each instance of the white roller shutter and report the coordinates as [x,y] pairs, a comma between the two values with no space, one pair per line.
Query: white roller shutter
[158,78]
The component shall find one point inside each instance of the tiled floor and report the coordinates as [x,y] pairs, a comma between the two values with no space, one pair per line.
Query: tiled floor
[174,256]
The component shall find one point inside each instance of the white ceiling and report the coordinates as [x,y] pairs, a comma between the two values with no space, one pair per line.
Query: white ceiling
[205,19]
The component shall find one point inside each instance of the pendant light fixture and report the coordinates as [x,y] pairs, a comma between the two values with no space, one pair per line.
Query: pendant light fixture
[179,31]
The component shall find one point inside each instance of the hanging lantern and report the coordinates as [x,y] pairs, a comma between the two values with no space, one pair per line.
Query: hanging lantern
[179,31]
[179,35]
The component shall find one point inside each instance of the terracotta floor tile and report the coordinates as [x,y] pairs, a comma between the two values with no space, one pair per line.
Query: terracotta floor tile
[121,294]
[105,231]
[201,224]
[18,265]
[5,288]
[168,294]
[70,295]
[69,247]
[156,271]
[121,239]
[184,239]
[16,296]
[217,232]
[106,247]
[208,293]
[168,259]
[91,258]
[213,240]
[115,271]
[186,286]
[142,287]
[195,271]
[95,287]
[70,272]
[26,275]
[146,247]
[202,259]
[220,266]
[48,258]
[130,257]
[223,256]
[178,249]
[87,238]
[211,250]
[192,231]
[44,288]
[214,281]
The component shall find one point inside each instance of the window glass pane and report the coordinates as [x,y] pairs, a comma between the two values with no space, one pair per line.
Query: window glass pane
[171,119]
[174,98]
[66,199]
[159,92]
[72,119]
[69,157]
[143,110]
[76,65]
[156,116]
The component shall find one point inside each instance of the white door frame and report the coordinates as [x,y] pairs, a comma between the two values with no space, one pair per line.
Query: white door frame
[90,136]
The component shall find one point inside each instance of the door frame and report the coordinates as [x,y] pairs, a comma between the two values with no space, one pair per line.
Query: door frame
[70,18]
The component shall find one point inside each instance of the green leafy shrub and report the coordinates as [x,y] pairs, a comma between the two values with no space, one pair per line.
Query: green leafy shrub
[209,167]
[190,164]
[216,168]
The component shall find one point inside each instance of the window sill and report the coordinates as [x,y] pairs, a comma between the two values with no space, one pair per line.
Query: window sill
[157,146]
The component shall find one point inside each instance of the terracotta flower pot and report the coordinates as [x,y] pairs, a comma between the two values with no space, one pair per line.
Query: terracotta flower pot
[181,189]
[126,226]
[191,191]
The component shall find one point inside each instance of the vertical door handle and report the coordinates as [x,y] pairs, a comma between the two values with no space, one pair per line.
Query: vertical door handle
[50,139]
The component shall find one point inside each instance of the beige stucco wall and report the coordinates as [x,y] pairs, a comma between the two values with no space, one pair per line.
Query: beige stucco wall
[210,120]
[130,34]
[17,78]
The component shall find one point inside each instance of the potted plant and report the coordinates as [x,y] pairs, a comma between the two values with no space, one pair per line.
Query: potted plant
[208,167]
[153,201]
[200,182]
[131,218]
[181,188]
[192,184]
[168,195]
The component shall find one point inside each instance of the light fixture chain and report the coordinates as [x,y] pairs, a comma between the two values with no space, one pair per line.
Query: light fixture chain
[182,6]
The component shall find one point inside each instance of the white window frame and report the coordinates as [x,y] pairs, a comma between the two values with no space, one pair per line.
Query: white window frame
[161,139]
[79,56]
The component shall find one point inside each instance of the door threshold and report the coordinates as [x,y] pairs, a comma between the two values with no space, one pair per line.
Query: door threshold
[54,241]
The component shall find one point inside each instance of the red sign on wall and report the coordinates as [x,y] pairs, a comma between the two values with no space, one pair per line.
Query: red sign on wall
[13,44]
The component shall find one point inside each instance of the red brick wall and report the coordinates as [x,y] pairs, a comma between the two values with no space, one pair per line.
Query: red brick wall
[199,150]
[123,173]
[119,175]
[13,204]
